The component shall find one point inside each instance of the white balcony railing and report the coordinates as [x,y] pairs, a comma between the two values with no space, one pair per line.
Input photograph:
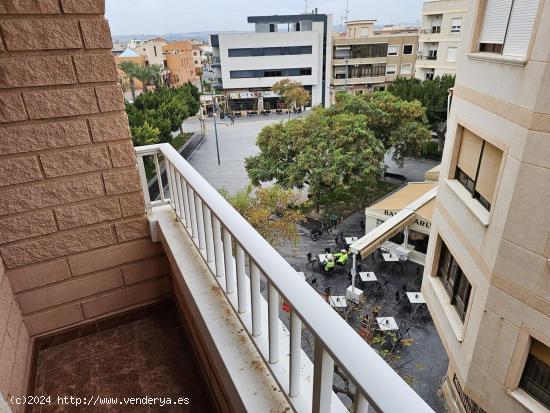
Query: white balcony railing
[214,226]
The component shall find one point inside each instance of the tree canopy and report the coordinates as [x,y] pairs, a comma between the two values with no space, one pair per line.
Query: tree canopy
[292,93]
[341,146]
[399,124]
[431,93]
[270,210]
[161,112]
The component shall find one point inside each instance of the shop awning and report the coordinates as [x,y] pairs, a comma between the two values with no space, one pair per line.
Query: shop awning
[416,199]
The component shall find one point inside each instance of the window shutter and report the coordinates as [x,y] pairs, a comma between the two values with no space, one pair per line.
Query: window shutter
[520,27]
[468,156]
[495,21]
[488,171]
[451,54]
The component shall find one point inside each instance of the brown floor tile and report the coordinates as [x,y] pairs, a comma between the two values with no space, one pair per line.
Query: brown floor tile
[147,355]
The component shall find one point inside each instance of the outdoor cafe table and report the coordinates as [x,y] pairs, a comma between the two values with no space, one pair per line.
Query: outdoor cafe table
[324,257]
[387,323]
[337,301]
[388,257]
[416,298]
[367,276]
[350,240]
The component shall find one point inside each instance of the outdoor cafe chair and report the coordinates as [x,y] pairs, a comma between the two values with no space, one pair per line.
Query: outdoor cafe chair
[311,260]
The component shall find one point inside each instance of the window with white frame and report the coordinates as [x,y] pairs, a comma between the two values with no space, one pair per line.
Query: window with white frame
[406,69]
[451,54]
[364,32]
[456,25]
[407,49]
[393,50]
[391,69]
[507,26]
[455,282]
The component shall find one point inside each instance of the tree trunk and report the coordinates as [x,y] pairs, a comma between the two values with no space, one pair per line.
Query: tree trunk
[317,202]
[181,129]
[132,88]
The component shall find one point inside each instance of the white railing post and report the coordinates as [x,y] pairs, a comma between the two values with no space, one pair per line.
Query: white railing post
[273,323]
[144,186]
[295,351]
[170,185]
[192,212]
[179,198]
[184,189]
[256,299]
[241,279]
[323,371]
[159,176]
[218,247]
[200,222]
[361,404]
[208,233]
[230,280]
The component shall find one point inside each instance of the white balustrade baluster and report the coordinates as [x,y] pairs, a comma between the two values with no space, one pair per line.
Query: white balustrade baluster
[242,298]
[256,299]
[273,323]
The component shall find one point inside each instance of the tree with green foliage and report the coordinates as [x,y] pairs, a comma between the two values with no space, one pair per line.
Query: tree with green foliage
[433,94]
[164,109]
[293,93]
[400,125]
[131,70]
[338,148]
[270,210]
[145,134]
[323,151]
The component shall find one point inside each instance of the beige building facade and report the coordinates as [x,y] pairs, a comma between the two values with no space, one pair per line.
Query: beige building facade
[151,50]
[368,59]
[178,58]
[487,273]
[441,37]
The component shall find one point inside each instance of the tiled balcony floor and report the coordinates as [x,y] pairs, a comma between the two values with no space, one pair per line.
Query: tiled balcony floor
[147,355]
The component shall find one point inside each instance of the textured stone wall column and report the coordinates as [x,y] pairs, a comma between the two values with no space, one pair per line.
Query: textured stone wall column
[73,235]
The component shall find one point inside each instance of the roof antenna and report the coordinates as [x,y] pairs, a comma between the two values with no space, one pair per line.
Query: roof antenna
[306,8]
[347,9]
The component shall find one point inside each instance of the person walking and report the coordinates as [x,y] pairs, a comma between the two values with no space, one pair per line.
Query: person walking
[232,118]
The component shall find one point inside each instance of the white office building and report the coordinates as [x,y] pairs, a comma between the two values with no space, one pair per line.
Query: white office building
[296,47]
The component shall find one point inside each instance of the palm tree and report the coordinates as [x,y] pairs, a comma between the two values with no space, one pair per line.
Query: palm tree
[131,70]
[143,74]
[155,73]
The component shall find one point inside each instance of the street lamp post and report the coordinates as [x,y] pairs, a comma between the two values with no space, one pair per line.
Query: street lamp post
[215,126]
[346,84]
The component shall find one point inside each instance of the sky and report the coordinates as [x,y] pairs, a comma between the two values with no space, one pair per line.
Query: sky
[182,16]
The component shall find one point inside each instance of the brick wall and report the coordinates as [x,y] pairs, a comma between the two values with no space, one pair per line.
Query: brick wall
[73,236]
[15,348]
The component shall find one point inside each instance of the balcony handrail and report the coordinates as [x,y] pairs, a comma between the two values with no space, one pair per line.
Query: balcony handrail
[375,380]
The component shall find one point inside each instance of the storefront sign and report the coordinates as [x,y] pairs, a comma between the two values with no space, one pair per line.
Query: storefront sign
[253,95]
[418,221]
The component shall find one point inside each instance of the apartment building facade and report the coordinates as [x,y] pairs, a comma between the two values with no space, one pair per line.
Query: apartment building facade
[441,37]
[487,274]
[151,50]
[179,62]
[297,47]
[368,59]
